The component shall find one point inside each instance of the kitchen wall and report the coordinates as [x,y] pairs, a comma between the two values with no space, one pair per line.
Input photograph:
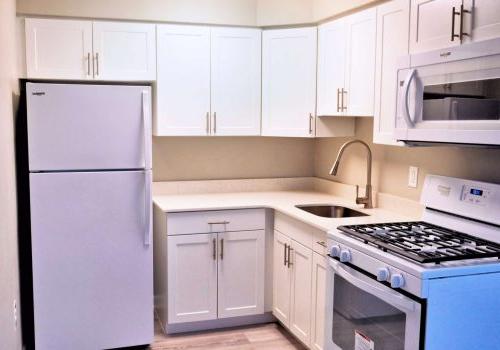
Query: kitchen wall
[391,163]
[10,337]
[230,12]
[198,158]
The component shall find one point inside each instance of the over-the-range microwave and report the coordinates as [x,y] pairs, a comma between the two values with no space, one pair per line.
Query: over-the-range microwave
[450,96]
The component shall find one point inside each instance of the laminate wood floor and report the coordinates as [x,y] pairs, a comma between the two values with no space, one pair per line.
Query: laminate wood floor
[269,336]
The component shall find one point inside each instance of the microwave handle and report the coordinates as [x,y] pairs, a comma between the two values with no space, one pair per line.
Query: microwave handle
[406,91]
[388,295]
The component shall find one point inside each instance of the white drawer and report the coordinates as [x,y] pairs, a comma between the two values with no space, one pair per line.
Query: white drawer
[215,221]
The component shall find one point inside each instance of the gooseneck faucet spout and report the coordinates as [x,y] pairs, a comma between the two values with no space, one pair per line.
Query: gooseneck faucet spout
[367,199]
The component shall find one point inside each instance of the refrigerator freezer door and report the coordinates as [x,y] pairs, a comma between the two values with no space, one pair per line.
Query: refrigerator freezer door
[88,127]
[92,266]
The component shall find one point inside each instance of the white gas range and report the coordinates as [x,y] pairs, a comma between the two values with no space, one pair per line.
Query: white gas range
[432,284]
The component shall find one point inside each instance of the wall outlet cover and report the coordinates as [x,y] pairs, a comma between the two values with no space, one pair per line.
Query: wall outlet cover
[413,177]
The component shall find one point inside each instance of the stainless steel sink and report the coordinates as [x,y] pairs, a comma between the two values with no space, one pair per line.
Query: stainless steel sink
[331,211]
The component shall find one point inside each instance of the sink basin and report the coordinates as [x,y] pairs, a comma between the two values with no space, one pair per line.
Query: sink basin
[331,211]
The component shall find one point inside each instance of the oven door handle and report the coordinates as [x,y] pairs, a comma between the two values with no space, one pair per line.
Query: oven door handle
[406,105]
[390,296]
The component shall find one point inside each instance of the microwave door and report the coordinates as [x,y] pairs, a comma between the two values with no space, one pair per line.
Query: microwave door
[363,312]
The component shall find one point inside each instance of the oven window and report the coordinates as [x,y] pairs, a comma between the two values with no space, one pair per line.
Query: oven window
[462,101]
[360,317]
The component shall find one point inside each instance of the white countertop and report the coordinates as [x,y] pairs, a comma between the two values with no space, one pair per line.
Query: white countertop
[282,201]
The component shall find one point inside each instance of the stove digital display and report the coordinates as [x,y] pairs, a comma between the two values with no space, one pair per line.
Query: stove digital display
[476,192]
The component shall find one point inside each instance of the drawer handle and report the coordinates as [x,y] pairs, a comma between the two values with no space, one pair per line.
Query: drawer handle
[218,223]
[321,243]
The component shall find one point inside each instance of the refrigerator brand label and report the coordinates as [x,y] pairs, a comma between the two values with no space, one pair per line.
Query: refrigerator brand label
[362,342]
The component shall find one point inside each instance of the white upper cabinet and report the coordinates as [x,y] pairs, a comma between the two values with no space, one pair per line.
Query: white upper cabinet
[208,81]
[241,273]
[289,82]
[58,49]
[236,72]
[83,50]
[482,21]
[331,67]
[392,43]
[438,24]
[433,24]
[360,64]
[183,82]
[124,51]
[346,65]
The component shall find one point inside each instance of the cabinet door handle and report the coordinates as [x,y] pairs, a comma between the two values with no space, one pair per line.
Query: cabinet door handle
[284,253]
[453,14]
[462,11]
[290,256]
[215,123]
[222,248]
[88,64]
[208,122]
[322,243]
[344,107]
[338,100]
[97,64]
[310,123]
[214,248]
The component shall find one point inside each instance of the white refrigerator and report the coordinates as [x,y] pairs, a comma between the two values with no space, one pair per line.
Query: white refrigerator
[89,149]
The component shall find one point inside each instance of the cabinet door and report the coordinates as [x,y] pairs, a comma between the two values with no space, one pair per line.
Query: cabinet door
[392,42]
[300,299]
[331,67]
[183,83]
[360,65]
[192,278]
[281,279]
[431,24]
[235,61]
[318,301]
[58,49]
[124,51]
[289,82]
[241,273]
[484,19]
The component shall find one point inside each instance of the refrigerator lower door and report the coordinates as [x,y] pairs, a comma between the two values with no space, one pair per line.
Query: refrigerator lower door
[92,259]
[88,127]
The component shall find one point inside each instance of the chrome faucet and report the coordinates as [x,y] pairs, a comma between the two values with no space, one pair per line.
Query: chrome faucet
[367,199]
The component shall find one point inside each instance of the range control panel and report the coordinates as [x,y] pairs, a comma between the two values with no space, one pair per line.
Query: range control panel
[466,198]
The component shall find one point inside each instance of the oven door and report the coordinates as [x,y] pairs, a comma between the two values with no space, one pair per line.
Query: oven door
[365,314]
[450,102]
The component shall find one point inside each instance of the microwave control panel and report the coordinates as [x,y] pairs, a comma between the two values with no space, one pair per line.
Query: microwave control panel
[477,195]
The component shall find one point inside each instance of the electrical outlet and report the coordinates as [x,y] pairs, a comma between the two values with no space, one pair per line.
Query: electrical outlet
[14,313]
[413,177]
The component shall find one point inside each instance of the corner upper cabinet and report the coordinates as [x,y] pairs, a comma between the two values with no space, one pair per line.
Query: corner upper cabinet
[86,50]
[58,49]
[346,65]
[124,51]
[393,25]
[183,82]
[208,81]
[289,82]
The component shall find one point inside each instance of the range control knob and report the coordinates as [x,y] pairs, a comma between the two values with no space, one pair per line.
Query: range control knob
[345,255]
[383,274]
[397,280]
[335,251]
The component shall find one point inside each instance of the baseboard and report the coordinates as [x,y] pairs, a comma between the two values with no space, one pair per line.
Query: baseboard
[218,324]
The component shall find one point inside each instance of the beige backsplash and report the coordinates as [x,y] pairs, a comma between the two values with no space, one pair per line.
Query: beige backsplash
[209,158]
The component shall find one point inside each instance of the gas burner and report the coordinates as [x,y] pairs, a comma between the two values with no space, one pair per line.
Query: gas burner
[423,242]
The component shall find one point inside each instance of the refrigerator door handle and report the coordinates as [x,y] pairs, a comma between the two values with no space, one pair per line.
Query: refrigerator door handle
[148,203]
[147,127]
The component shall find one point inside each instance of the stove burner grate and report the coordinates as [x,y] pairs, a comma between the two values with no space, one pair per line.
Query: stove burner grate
[423,242]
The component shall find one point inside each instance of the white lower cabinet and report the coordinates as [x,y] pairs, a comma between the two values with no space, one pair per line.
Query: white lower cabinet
[192,278]
[318,302]
[241,273]
[300,299]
